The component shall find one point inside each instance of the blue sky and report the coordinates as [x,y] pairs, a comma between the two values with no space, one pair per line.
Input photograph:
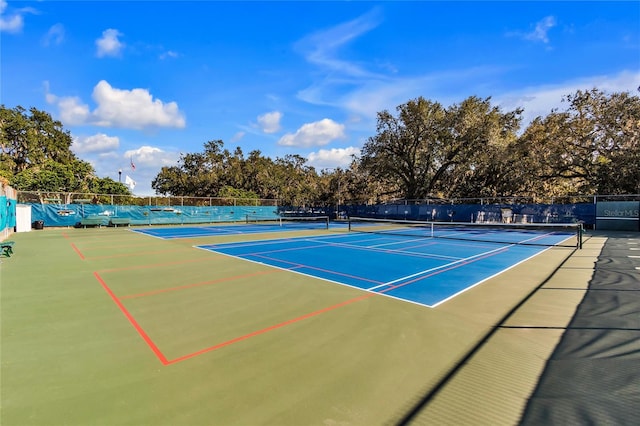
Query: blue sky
[149,80]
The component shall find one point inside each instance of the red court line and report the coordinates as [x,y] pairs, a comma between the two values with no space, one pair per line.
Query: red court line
[403,251]
[132,320]
[270,328]
[77,251]
[349,246]
[400,251]
[165,361]
[259,253]
[448,268]
[302,265]
[184,287]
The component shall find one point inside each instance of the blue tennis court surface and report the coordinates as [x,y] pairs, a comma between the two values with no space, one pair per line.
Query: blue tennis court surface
[426,271]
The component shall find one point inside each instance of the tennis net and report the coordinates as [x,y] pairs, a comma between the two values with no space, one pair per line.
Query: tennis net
[538,234]
[302,222]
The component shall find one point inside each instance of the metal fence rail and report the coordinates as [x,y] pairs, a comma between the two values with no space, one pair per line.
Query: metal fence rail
[69,209]
[64,198]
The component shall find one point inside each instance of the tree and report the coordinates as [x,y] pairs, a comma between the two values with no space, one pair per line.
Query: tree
[429,150]
[108,186]
[479,137]
[592,147]
[361,187]
[197,174]
[36,155]
[51,176]
[261,175]
[30,140]
[297,182]
[468,150]
[402,153]
[217,171]
[243,197]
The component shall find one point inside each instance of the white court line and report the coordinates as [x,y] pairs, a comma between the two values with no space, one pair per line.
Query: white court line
[141,232]
[380,247]
[255,243]
[446,265]
[319,242]
[290,269]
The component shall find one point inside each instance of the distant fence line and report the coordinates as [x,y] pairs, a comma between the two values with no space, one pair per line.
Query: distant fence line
[158,200]
[567,199]
[69,209]
[610,212]
[507,213]
[74,214]
[57,209]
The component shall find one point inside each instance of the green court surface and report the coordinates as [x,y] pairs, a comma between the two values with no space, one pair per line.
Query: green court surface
[110,327]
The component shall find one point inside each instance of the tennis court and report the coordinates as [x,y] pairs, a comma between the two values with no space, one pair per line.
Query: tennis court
[399,260]
[252,225]
[421,270]
[421,262]
[250,324]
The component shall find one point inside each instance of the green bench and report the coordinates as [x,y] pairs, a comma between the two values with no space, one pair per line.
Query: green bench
[92,221]
[7,248]
[119,221]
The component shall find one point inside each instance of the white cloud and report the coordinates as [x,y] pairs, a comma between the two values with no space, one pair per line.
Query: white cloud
[338,77]
[447,87]
[151,157]
[72,110]
[539,101]
[108,44]
[542,29]
[333,158]
[321,48]
[238,136]
[270,122]
[55,35]
[132,109]
[95,143]
[353,86]
[371,96]
[148,160]
[314,134]
[13,22]
[169,54]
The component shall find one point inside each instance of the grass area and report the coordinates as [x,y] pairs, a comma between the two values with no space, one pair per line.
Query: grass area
[236,343]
